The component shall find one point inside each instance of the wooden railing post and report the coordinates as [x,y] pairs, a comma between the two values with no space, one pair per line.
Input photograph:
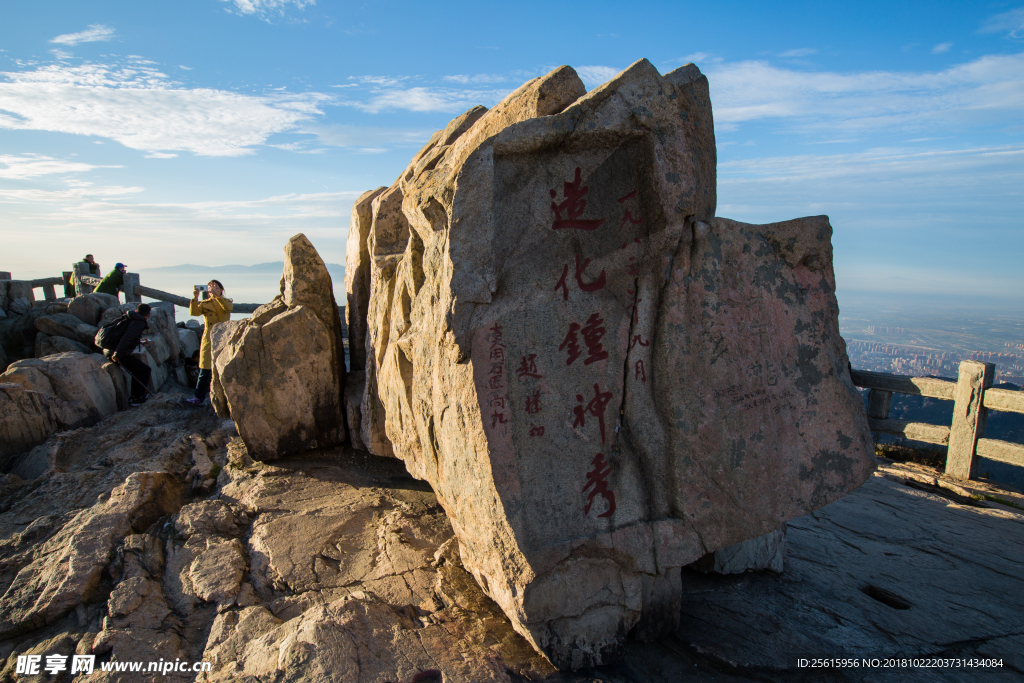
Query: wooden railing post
[878,404]
[968,417]
[130,288]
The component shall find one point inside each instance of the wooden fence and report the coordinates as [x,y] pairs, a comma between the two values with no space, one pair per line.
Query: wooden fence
[83,283]
[972,396]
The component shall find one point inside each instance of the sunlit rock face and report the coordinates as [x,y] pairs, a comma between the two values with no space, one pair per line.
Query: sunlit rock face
[601,380]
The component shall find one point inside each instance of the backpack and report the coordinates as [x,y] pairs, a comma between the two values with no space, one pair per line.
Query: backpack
[110,334]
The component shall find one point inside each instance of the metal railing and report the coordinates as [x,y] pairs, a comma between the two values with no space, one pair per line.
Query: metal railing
[972,395]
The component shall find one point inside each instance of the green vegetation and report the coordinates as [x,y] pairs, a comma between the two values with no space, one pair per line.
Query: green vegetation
[932,457]
[997,499]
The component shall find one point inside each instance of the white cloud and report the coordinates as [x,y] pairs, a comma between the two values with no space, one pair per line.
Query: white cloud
[424,99]
[476,78]
[60,54]
[941,47]
[31,165]
[799,52]
[593,76]
[95,33]
[983,90]
[369,138]
[143,109]
[1012,22]
[265,9]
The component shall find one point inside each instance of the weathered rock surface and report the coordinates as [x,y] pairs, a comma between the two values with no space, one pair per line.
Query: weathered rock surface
[68,567]
[188,342]
[280,373]
[28,418]
[48,346]
[764,552]
[20,297]
[78,378]
[89,308]
[601,381]
[68,326]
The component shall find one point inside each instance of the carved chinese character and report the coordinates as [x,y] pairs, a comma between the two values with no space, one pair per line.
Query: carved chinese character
[572,342]
[637,339]
[533,403]
[640,373]
[597,478]
[497,418]
[498,353]
[495,336]
[596,408]
[634,267]
[573,206]
[528,368]
[588,286]
[536,431]
[628,217]
[592,333]
[561,283]
[498,401]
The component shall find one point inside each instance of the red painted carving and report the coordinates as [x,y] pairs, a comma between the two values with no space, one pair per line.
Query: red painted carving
[637,339]
[533,403]
[640,373]
[561,283]
[634,267]
[633,306]
[528,368]
[628,217]
[572,342]
[574,205]
[536,431]
[496,375]
[597,478]
[586,286]
[596,408]
[498,401]
[592,333]
[629,196]
[497,418]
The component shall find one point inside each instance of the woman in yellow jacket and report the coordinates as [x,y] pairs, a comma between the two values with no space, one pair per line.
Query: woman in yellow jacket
[216,309]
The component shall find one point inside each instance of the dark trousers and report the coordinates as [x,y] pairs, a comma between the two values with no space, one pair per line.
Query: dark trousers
[203,385]
[140,373]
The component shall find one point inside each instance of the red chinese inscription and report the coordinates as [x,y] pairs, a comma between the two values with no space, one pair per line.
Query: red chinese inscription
[536,431]
[596,408]
[592,333]
[567,214]
[533,403]
[572,342]
[637,339]
[598,479]
[597,284]
[528,368]
[641,374]
[496,375]
[628,216]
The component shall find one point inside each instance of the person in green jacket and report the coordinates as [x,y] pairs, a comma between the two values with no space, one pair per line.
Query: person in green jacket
[114,281]
[216,309]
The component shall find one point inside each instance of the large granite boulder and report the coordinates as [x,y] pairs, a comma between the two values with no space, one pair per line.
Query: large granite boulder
[67,326]
[280,374]
[20,296]
[47,346]
[28,417]
[601,381]
[78,378]
[89,307]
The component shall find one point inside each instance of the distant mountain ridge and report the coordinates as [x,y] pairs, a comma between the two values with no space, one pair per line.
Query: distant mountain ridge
[271,267]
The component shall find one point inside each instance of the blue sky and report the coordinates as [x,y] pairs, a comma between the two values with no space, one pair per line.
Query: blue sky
[209,131]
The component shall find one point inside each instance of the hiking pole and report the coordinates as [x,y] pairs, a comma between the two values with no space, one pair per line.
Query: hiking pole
[141,383]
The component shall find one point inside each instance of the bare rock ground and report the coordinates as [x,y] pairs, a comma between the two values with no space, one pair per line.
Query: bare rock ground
[339,566]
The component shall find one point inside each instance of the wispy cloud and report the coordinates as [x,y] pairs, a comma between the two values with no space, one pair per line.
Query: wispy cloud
[369,139]
[1011,22]
[476,78]
[95,33]
[426,99]
[143,109]
[267,9]
[32,165]
[986,89]
[799,52]
[593,76]
[941,47]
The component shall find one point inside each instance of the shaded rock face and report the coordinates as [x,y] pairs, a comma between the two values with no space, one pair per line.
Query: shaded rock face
[280,373]
[601,381]
[89,308]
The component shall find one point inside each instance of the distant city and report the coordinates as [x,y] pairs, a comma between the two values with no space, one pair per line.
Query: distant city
[930,341]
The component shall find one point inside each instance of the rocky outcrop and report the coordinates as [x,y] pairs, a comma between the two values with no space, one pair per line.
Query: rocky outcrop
[280,373]
[602,381]
[68,326]
[28,418]
[68,567]
[19,297]
[77,378]
[89,308]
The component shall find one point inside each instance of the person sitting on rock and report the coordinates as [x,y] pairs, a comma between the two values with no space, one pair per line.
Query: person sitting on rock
[122,355]
[114,281]
[216,309]
[94,268]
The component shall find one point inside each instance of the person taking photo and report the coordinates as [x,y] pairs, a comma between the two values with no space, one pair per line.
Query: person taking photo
[214,309]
